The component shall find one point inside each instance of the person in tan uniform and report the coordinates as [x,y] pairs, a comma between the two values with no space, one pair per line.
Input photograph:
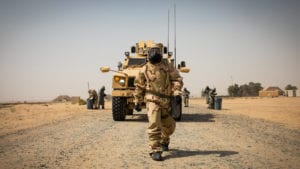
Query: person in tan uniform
[94,97]
[157,83]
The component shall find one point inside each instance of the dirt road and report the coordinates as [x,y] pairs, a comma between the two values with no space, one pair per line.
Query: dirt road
[203,139]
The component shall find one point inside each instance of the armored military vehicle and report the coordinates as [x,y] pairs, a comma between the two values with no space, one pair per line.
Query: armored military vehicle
[123,80]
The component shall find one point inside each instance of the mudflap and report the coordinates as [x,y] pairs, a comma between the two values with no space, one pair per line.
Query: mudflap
[176,109]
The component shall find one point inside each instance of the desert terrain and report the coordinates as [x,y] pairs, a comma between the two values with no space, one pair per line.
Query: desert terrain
[246,133]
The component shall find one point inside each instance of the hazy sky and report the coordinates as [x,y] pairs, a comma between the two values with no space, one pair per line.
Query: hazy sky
[49,48]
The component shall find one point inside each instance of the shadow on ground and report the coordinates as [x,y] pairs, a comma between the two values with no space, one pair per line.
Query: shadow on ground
[185,118]
[198,117]
[175,153]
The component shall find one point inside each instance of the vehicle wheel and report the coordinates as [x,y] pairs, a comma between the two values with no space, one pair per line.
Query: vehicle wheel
[176,109]
[129,112]
[118,108]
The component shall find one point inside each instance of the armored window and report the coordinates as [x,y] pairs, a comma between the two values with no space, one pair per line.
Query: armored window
[136,61]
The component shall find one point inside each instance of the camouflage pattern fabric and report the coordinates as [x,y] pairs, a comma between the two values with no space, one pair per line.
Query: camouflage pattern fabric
[93,95]
[155,84]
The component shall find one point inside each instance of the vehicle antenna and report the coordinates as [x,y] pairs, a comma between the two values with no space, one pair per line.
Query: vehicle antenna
[175,33]
[168,28]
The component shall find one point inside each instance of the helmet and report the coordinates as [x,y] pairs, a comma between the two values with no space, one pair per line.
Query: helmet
[155,55]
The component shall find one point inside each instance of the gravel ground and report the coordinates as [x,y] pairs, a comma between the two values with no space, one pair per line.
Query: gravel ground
[203,139]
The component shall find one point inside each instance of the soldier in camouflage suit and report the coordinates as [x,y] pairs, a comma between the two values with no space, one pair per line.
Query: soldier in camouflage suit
[157,83]
[94,97]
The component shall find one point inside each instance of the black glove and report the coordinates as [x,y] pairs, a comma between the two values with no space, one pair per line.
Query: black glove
[178,99]
[137,107]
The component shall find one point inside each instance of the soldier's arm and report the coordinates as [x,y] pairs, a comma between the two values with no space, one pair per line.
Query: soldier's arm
[140,87]
[176,80]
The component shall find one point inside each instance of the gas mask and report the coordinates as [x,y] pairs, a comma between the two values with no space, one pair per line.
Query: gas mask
[155,55]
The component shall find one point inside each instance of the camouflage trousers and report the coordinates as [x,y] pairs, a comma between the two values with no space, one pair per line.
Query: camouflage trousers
[161,125]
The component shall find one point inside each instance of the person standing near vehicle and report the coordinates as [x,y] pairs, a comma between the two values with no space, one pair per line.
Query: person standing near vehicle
[157,83]
[101,97]
[186,96]
[94,97]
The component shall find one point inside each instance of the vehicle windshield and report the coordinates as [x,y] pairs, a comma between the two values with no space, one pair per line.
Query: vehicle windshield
[136,61]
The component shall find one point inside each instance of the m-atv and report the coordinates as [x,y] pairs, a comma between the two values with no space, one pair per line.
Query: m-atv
[123,80]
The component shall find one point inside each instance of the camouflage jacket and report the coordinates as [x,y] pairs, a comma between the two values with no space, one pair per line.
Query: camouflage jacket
[92,94]
[157,83]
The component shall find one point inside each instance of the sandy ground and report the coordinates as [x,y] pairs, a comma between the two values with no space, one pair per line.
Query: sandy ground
[284,110]
[246,133]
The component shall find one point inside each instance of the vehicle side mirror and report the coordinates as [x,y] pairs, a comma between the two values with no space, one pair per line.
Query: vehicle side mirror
[126,54]
[165,50]
[104,69]
[133,49]
[184,70]
[182,64]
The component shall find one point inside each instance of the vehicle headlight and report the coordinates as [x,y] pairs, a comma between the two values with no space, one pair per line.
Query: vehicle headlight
[122,82]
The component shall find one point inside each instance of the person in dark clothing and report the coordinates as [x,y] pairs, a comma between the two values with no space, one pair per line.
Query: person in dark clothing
[101,97]
[212,94]
[206,94]
[186,96]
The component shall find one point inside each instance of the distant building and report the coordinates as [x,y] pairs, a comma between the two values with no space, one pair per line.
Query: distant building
[271,92]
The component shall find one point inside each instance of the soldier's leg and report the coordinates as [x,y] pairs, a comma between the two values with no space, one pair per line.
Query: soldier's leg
[168,126]
[94,104]
[187,101]
[212,103]
[154,130]
[154,126]
[101,105]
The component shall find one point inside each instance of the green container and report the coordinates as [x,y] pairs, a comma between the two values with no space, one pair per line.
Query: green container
[218,103]
[89,103]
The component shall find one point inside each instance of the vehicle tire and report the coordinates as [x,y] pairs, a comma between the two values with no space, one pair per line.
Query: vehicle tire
[176,109]
[129,112]
[118,108]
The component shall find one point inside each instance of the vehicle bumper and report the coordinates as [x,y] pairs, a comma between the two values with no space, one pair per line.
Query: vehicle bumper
[122,93]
